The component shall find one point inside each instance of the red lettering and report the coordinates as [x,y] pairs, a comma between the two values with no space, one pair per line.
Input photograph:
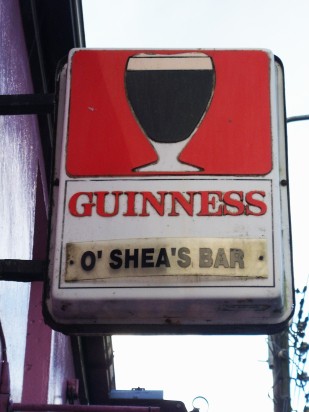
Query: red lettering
[186,204]
[130,204]
[86,208]
[212,203]
[211,199]
[101,203]
[157,204]
[237,204]
[255,203]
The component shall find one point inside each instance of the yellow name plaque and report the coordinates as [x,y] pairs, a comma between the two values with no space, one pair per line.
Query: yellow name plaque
[223,257]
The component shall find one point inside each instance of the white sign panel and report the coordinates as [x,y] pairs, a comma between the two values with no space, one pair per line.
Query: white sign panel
[170,204]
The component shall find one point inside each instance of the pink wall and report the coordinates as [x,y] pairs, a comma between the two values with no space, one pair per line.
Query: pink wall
[40,360]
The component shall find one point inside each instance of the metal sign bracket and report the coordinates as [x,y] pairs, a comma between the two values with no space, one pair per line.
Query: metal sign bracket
[19,104]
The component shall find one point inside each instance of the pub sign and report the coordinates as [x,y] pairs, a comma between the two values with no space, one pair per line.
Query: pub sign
[170,201]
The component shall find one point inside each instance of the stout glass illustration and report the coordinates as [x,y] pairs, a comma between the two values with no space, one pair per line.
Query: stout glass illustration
[169,96]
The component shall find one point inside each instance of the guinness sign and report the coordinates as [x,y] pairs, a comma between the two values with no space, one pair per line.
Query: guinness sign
[170,203]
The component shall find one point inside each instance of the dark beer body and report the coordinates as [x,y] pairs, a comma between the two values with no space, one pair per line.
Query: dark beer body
[169,104]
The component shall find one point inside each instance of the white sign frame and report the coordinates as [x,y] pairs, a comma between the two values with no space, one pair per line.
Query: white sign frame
[182,303]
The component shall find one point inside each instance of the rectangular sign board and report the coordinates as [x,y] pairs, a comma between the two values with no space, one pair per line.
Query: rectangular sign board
[170,200]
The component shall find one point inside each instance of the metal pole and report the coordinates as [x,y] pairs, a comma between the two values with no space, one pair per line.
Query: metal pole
[297,118]
[19,104]
[281,371]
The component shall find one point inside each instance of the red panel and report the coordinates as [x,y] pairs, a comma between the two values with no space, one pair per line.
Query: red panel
[234,137]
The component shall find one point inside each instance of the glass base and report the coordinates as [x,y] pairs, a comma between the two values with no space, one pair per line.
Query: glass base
[161,166]
[168,155]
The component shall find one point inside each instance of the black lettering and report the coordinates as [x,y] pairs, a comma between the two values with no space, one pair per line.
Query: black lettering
[184,257]
[237,256]
[115,256]
[206,260]
[131,258]
[147,258]
[88,260]
[221,259]
[163,259]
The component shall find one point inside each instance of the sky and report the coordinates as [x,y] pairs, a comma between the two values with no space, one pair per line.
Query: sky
[230,372]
